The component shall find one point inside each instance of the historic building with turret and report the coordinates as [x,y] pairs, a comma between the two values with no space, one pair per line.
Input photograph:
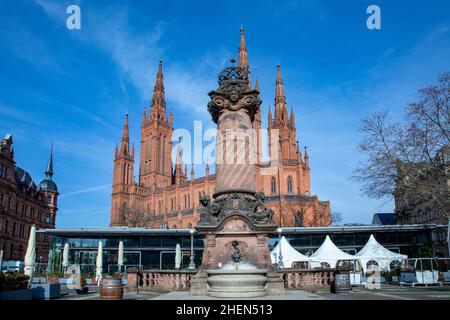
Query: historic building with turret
[167,195]
[24,203]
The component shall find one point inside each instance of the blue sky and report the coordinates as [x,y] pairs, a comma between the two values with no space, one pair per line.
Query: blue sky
[73,88]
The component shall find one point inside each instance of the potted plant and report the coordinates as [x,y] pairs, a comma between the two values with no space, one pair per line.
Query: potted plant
[14,286]
[82,287]
[395,276]
[51,289]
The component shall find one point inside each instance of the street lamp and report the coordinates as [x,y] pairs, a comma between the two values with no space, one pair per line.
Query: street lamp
[192,263]
[280,256]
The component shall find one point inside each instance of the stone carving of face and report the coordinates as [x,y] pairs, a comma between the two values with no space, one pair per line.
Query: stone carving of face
[234,96]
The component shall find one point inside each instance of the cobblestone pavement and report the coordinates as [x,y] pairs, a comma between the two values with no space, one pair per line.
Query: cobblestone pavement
[394,292]
[387,292]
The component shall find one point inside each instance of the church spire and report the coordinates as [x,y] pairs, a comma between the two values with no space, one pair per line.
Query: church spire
[306,157]
[125,144]
[179,162]
[144,116]
[49,169]
[158,109]
[192,172]
[207,169]
[243,56]
[280,99]
[257,85]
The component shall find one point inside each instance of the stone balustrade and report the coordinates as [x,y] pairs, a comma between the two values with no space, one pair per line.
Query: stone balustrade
[160,280]
[177,280]
[308,279]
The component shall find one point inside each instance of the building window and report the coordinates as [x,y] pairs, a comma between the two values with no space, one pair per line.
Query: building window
[1,200]
[22,231]
[14,229]
[273,186]
[289,184]
[39,215]
[47,218]
[298,219]
[372,265]
[3,171]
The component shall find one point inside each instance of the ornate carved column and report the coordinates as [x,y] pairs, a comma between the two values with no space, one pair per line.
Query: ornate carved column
[233,107]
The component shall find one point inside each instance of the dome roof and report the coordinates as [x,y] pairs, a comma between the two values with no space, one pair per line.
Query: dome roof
[48,185]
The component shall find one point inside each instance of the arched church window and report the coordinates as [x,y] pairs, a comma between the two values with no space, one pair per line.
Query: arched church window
[298,219]
[124,211]
[273,186]
[163,170]
[289,184]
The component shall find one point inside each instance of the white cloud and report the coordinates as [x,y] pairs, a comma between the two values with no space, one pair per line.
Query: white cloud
[137,54]
[86,190]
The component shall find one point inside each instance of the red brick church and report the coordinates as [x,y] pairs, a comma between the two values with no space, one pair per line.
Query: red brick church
[168,196]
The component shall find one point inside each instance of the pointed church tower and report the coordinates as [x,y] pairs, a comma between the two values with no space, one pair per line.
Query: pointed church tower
[280,98]
[123,177]
[243,56]
[156,140]
[207,169]
[283,123]
[180,173]
[50,190]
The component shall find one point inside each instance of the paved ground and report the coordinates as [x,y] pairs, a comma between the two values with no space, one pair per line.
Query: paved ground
[394,292]
[387,292]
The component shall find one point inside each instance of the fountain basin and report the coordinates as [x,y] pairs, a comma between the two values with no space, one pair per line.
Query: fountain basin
[237,283]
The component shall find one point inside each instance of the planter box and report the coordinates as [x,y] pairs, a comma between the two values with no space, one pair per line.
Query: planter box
[46,291]
[39,280]
[22,294]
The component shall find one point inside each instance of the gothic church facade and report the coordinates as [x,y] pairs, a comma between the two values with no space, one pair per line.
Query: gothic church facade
[167,196]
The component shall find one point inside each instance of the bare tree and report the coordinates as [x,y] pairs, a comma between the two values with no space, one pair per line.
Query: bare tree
[410,160]
[336,217]
[133,218]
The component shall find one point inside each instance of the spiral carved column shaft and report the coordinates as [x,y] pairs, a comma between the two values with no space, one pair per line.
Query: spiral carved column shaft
[235,152]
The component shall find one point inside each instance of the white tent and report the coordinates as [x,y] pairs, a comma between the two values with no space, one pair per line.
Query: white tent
[289,255]
[330,254]
[376,256]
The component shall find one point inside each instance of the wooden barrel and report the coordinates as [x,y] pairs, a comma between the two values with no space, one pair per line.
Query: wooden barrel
[111,289]
[342,283]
